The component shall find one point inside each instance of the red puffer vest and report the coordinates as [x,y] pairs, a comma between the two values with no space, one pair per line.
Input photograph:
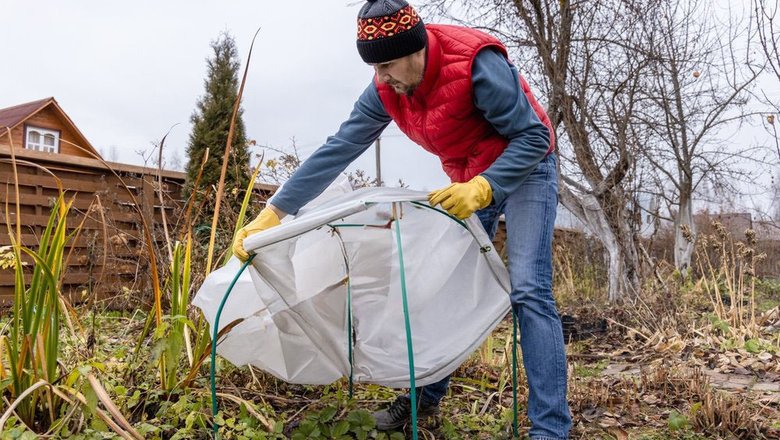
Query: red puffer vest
[441,116]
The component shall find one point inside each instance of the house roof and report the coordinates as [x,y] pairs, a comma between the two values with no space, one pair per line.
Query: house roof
[11,117]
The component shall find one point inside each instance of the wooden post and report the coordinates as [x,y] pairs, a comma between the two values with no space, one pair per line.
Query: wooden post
[378,150]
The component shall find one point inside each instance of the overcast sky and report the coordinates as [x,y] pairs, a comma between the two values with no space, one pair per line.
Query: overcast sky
[125,72]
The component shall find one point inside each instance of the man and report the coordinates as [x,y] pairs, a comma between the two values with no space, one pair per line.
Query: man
[453,91]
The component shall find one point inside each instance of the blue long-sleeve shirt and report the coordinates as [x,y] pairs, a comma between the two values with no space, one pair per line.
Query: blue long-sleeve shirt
[497,94]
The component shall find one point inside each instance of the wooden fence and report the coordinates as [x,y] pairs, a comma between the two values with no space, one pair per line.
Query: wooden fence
[112,204]
[109,257]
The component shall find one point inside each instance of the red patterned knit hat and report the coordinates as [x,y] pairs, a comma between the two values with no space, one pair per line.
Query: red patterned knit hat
[389,29]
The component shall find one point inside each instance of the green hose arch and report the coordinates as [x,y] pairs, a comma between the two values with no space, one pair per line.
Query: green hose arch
[409,346]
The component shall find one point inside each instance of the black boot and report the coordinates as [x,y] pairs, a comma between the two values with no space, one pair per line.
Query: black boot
[399,412]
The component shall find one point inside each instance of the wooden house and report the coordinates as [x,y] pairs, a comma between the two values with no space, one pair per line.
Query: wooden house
[43,126]
[111,201]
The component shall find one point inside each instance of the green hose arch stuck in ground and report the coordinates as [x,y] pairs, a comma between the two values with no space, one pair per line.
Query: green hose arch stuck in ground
[410,348]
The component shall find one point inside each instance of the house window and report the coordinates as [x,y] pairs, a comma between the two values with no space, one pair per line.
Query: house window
[41,139]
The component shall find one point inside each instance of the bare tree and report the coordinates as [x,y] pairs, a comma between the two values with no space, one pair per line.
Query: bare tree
[698,85]
[176,162]
[765,32]
[112,156]
[285,161]
[775,206]
[280,163]
[587,58]
[113,153]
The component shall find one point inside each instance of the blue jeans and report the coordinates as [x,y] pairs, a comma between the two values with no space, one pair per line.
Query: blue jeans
[530,217]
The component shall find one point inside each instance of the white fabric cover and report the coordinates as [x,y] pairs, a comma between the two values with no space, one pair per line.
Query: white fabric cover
[293,297]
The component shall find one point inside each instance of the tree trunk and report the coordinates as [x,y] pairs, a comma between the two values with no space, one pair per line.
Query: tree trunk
[684,232]
[616,236]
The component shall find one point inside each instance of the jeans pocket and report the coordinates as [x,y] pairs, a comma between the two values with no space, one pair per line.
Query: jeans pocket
[541,185]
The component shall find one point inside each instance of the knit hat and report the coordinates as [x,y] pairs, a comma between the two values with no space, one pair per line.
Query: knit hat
[389,29]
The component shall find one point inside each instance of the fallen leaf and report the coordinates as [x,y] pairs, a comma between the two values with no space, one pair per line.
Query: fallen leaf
[592,414]
[619,433]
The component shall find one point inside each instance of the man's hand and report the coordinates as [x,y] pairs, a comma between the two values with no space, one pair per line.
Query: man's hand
[462,199]
[266,219]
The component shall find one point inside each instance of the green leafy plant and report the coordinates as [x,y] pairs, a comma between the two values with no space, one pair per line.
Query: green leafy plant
[173,335]
[677,421]
[32,346]
[358,424]
[170,335]
[719,324]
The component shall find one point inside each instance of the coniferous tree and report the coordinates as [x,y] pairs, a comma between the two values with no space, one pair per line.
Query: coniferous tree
[211,123]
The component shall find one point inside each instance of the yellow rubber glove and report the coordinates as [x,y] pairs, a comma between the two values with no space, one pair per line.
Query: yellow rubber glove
[462,199]
[265,220]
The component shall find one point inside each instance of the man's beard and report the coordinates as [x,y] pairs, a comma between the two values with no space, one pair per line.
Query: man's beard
[403,89]
[408,91]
